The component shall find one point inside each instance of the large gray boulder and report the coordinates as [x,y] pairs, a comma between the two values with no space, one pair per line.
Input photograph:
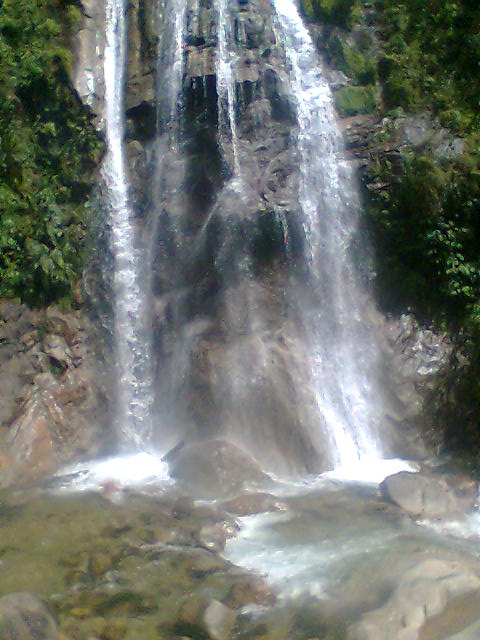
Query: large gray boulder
[215,469]
[422,593]
[430,495]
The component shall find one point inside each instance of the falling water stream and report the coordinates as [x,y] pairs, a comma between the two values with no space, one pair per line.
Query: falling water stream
[227,123]
[343,351]
[132,348]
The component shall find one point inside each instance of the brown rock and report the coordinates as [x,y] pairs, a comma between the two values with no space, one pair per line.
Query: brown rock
[251,503]
[253,590]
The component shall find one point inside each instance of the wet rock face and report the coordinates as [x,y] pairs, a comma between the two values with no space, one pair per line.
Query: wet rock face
[54,408]
[215,469]
[414,359]
[87,73]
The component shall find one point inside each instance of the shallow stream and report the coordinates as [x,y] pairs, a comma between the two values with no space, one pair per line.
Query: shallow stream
[122,559]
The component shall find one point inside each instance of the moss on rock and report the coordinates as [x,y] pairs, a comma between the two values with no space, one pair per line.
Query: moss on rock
[351,101]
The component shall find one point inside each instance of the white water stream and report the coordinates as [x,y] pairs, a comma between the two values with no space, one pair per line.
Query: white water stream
[227,124]
[343,351]
[132,347]
[171,67]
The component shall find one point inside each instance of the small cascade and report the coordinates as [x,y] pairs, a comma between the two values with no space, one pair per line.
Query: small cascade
[343,351]
[171,68]
[227,107]
[132,349]
[170,72]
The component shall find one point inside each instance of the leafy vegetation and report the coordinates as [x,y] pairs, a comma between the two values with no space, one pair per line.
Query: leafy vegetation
[48,151]
[431,58]
[428,230]
[338,12]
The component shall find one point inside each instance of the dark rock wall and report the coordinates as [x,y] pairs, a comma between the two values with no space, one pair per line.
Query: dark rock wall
[228,361]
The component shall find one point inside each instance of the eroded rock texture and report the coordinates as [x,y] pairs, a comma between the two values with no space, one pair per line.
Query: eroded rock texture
[53,406]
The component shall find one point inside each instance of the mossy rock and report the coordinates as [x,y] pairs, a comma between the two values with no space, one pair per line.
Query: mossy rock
[351,101]
[338,12]
[349,59]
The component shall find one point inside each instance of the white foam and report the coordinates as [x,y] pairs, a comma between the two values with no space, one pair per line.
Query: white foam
[121,471]
[371,470]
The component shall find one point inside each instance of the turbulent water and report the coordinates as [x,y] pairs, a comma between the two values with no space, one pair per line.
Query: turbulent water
[343,353]
[132,348]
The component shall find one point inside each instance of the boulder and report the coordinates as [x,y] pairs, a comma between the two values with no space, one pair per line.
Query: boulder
[23,616]
[430,495]
[249,504]
[219,621]
[422,593]
[214,537]
[214,469]
[251,590]
[207,617]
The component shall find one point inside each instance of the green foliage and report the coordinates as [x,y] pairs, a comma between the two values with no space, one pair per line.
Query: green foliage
[352,61]
[337,12]
[351,101]
[48,151]
[428,234]
[431,57]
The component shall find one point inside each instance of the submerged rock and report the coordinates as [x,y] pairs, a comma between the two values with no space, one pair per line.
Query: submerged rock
[23,616]
[209,618]
[218,620]
[249,504]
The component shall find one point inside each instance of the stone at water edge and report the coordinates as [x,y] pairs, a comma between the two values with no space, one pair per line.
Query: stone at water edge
[206,616]
[219,620]
[431,495]
[23,616]
[214,469]
[421,593]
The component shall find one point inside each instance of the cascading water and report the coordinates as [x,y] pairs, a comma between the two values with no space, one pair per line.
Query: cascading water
[227,122]
[171,68]
[343,352]
[131,338]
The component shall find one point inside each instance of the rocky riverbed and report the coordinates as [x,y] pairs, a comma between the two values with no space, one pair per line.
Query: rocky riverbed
[317,559]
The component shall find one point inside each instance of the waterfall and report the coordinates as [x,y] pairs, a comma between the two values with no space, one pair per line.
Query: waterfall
[132,350]
[343,351]
[170,67]
[170,70]
[227,123]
